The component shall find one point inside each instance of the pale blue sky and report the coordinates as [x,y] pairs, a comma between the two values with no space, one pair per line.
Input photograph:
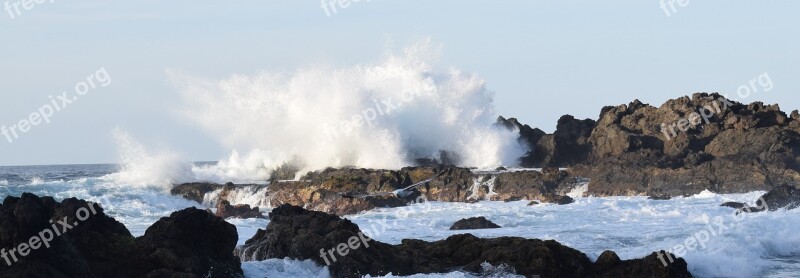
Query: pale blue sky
[541,58]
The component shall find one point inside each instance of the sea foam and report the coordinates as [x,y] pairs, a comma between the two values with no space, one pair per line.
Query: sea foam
[377,115]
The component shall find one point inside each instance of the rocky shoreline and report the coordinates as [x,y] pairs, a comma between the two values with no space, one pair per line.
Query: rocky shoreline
[195,243]
[632,150]
[327,239]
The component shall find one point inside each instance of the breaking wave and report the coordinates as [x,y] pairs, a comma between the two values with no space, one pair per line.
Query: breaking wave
[384,115]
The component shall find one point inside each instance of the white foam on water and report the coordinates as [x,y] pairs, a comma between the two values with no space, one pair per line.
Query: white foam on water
[759,245]
[36,181]
[579,191]
[284,268]
[255,196]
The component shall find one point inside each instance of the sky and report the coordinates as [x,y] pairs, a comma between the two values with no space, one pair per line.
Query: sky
[542,59]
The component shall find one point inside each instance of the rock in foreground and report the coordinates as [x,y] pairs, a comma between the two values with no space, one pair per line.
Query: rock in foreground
[188,243]
[474,223]
[327,239]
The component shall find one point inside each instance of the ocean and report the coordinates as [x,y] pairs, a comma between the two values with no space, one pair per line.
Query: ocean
[745,245]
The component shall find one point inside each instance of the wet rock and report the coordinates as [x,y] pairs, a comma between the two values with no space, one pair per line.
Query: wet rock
[781,197]
[533,203]
[189,243]
[735,205]
[329,240]
[556,199]
[637,148]
[659,197]
[474,223]
[226,210]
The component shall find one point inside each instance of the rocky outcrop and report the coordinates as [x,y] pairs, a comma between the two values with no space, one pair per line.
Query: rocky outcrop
[88,243]
[324,190]
[685,146]
[557,199]
[329,240]
[474,223]
[225,210]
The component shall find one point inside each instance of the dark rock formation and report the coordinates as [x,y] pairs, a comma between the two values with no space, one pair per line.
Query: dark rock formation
[323,190]
[327,239]
[557,199]
[226,210]
[533,203]
[189,243]
[735,205]
[705,142]
[659,197]
[474,223]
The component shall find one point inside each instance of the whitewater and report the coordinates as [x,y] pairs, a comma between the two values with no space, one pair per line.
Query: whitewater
[758,245]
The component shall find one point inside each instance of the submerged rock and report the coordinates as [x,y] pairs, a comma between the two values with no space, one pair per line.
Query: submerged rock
[735,205]
[659,197]
[329,240]
[188,243]
[474,223]
[557,199]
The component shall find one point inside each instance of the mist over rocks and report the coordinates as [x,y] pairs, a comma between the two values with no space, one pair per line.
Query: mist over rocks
[300,234]
[188,243]
[635,149]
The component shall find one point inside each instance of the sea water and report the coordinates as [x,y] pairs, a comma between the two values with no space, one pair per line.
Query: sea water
[751,245]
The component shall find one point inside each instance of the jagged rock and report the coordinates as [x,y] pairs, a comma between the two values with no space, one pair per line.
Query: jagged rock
[189,243]
[608,259]
[329,240]
[474,223]
[226,210]
[734,148]
[557,199]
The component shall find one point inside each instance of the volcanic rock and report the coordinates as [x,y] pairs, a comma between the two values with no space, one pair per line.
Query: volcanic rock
[557,199]
[225,210]
[474,223]
[188,243]
[300,234]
